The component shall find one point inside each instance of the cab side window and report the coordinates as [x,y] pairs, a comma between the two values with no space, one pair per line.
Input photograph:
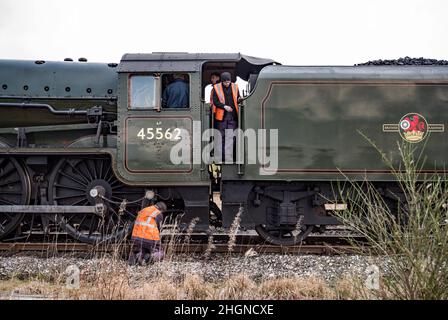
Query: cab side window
[142,92]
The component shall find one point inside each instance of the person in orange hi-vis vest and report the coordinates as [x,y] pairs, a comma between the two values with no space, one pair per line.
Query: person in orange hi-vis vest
[146,235]
[225,100]
[215,78]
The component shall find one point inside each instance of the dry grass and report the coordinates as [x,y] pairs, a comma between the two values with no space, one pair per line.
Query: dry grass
[11,289]
[234,230]
[300,288]
[113,279]
[116,284]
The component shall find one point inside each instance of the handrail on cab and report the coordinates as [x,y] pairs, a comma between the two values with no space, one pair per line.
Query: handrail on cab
[240,140]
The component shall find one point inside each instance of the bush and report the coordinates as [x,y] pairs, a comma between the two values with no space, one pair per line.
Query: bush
[407,224]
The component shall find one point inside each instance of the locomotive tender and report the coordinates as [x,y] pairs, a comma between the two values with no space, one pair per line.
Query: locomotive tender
[82,144]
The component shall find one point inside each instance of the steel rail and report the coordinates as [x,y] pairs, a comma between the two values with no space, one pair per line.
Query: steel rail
[176,248]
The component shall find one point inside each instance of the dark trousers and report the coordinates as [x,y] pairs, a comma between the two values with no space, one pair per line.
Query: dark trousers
[227,146]
[142,251]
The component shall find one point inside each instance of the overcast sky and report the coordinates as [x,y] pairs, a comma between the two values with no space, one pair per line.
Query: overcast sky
[313,32]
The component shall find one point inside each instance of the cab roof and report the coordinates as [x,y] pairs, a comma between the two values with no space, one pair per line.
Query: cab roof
[190,62]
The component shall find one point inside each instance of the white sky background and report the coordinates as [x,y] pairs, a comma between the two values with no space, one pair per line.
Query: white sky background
[313,32]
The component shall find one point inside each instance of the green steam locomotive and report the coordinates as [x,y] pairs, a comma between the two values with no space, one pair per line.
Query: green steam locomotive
[83,146]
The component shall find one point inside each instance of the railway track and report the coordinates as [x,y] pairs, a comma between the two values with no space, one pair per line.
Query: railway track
[176,243]
[244,237]
[199,248]
[192,243]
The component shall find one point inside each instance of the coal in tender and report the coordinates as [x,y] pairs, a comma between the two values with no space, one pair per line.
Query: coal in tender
[406,61]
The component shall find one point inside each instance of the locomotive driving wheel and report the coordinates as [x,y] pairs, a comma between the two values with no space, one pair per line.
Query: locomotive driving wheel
[15,189]
[284,236]
[72,182]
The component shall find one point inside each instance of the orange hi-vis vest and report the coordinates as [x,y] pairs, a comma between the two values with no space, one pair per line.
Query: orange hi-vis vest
[145,226]
[219,113]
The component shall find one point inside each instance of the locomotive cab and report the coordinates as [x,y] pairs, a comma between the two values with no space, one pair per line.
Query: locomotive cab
[161,145]
[158,142]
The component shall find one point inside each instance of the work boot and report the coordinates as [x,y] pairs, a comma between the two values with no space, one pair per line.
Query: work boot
[139,259]
[132,260]
[146,258]
[157,256]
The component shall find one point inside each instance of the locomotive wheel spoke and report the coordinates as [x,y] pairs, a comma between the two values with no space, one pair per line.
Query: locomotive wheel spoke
[114,183]
[6,201]
[77,171]
[71,183]
[106,175]
[70,196]
[15,189]
[101,169]
[72,178]
[11,192]
[111,179]
[69,187]
[6,173]
[94,169]
[86,172]
[9,182]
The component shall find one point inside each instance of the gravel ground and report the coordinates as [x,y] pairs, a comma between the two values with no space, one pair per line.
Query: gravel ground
[274,265]
[216,267]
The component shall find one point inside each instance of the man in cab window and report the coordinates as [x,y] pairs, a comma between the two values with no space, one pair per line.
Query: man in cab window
[177,93]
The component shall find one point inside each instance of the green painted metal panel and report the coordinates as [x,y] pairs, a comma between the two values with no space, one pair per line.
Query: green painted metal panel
[51,79]
[149,141]
[319,117]
[147,161]
[63,85]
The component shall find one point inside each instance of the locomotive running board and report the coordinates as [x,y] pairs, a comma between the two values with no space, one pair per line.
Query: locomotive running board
[51,209]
